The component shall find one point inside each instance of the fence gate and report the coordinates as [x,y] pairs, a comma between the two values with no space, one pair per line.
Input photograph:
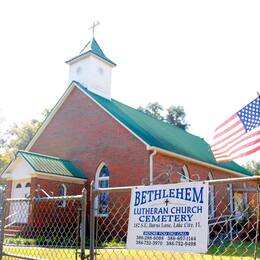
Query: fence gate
[233,223]
[43,228]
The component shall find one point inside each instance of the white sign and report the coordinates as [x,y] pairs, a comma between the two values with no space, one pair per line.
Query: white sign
[172,217]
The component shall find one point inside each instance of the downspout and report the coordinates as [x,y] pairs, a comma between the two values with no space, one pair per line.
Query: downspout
[151,166]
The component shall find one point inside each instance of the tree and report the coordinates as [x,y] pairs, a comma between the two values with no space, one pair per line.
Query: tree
[17,138]
[176,116]
[253,166]
[153,109]
[1,133]
[4,160]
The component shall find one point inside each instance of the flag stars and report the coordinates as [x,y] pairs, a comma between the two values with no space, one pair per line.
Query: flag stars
[249,115]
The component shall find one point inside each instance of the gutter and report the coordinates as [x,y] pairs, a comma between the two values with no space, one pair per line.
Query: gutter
[151,166]
[172,154]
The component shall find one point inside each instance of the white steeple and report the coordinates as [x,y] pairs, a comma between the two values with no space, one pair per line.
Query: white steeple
[92,69]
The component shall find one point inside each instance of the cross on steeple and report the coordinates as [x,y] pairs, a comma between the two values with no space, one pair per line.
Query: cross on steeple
[95,24]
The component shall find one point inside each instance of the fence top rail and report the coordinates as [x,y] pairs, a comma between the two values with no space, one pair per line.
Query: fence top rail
[74,197]
[216,181]
[232,180]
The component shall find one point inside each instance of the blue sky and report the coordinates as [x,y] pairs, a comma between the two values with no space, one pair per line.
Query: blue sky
[203,55]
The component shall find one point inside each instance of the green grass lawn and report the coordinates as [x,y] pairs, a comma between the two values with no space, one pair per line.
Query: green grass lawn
[231,251]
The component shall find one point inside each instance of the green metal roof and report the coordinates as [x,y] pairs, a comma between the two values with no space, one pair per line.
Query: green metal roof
[163,135]
[93,47]
[52,165]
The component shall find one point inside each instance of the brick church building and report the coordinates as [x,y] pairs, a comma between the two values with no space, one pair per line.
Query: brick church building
[90,136]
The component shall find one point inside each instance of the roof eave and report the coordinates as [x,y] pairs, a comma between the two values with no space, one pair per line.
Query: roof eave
[5,173]
[50,175]
[83,55]
[166,152]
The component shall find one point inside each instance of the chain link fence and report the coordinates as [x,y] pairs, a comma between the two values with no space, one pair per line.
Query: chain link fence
[233,210]
[43,228]
[54,227]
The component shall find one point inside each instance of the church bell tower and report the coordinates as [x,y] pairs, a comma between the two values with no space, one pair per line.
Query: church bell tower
[92,69]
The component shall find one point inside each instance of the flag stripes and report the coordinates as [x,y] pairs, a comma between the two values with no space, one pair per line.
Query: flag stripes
[239,135]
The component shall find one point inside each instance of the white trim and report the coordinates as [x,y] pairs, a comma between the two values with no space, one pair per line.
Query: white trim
[97,179]
[63,205]
[210,176]
[151,166]
[12,180]
[89,53]
[172,154]
[186,177]
[50,176]
[60,103]
[7,175]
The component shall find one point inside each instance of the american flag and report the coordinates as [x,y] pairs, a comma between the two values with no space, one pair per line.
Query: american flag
[239,135]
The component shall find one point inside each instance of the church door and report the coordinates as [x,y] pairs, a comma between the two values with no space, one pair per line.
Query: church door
[19,211]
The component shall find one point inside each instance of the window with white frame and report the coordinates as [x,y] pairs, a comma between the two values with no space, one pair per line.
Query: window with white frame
[185,177]
[211,199]
[102,181]
[62,191]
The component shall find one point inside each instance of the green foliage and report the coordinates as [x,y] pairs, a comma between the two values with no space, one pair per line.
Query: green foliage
[41,241]
[153,109]
[55,241]
[20,241]
[114,242]
[253,166]
[175,115]
[4,160]
[20,136]
[17,138]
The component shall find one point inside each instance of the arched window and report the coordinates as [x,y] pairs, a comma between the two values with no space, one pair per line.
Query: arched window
[28,185]
[102,181]
[18,186]
[62,191]
[211,197]
[184,174]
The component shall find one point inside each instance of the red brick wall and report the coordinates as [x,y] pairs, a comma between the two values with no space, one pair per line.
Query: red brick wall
[84,133]
[44,213]
[196,172]
[52,186]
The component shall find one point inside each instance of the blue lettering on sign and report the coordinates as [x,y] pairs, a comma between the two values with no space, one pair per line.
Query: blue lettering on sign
[165,233]
[189,194]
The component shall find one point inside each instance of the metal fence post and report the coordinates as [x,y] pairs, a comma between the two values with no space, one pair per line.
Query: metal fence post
[2,224]
[92,222]
[83,224]
[230,194]
[257,221]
